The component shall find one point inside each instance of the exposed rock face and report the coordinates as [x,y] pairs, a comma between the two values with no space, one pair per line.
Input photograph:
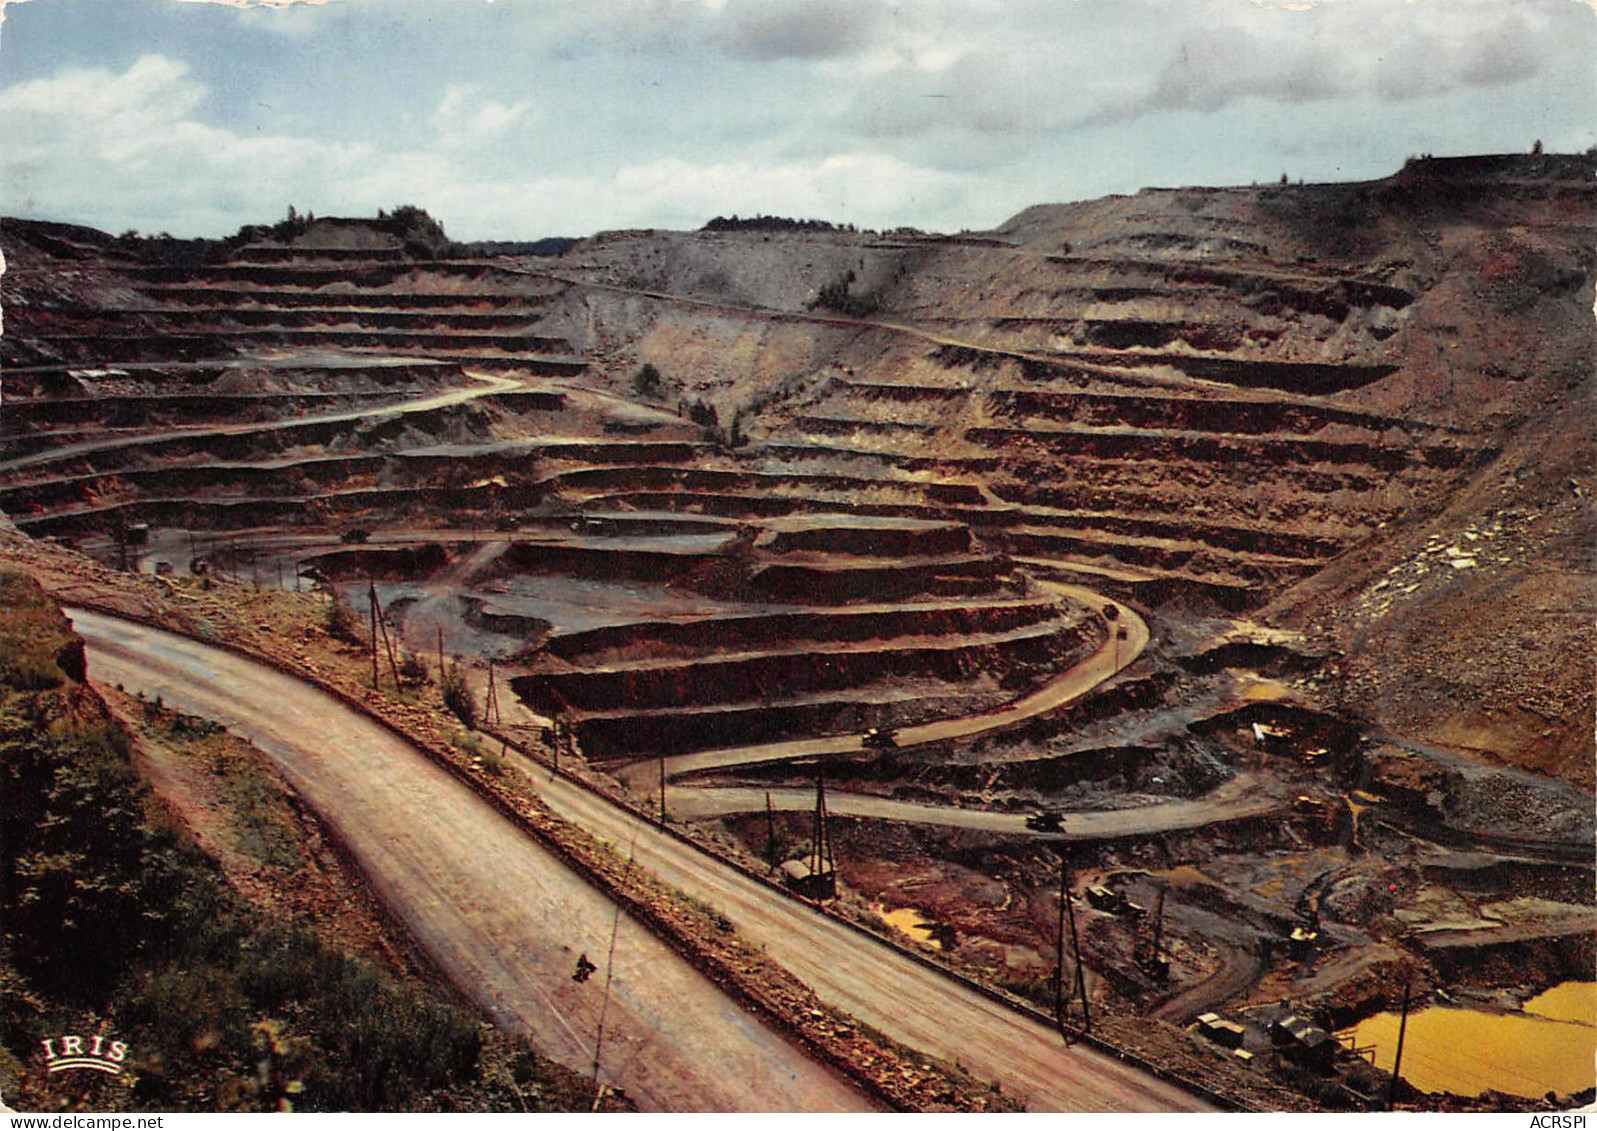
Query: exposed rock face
[1353,410]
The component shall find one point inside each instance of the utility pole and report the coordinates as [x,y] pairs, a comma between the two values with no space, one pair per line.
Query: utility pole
[393,666]
[490,706]
[770,831]
[662,791]
[372,597]
[1158,926]
[1397,1061]
[440,655]
[1075,946]
[1059,952]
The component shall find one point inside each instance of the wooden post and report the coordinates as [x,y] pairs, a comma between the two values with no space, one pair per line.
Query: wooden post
[1059,952]
[770,831]
[1397,1060]
[388,645]
[372,597]
[1075,946]
[440,655]
[490,705]
[662,791]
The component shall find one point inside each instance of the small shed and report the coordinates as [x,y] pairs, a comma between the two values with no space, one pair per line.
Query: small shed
[1301,1040]
[1227,1034]
[797,876]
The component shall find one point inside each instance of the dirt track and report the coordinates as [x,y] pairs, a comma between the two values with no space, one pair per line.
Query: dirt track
[486,384]
[494,908]
[503,918]
[1068,686]
[1238,798]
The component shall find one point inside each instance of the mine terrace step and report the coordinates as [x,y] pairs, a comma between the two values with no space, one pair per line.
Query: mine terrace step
[249,512]
[1164,553]
[269,254]
[1358,290]
[356,273]
[563,449]
[113,451]
[600,559]
[1157,501]
[829,646]
[1193,413]
[748,506]
[114,348]
[1254,538]
[144,410]
[234,298]
[262,479]
[751,679]
[626,736]
[1305,377]
[831,582]
[1245,480]
[862,536]
[739,633]
[842,426]
[1264,450]
[197,320]
[742,480]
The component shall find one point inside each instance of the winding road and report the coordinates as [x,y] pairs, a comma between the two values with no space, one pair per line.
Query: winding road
[498,914]
[1111,657]
[506,921]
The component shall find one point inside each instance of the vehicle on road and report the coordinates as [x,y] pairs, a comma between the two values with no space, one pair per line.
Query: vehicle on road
[880,738]
[1045,820]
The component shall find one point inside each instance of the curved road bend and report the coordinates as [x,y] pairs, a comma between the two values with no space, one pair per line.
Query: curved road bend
[875,982]
[503,918]
[1067,687]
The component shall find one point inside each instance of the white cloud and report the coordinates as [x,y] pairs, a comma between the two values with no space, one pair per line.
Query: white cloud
[465,117]
[126,150]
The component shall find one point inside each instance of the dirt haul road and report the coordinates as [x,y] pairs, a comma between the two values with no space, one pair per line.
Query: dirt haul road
[486,383]
[500,916]
[1112,657]
[382,793]
[1242,796]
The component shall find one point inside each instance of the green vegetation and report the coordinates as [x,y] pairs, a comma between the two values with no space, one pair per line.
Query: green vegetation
[341,623]
[648,381]
[110,923]
[773,224]
[837,296]
[457,695]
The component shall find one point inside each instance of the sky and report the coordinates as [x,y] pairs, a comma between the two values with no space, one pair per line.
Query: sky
[517,119]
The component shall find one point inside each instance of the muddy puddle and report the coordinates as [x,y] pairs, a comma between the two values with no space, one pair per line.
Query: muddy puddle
[907,920]
[1548,1047]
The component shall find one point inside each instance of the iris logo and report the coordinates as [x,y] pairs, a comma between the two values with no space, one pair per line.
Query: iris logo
[62,1054]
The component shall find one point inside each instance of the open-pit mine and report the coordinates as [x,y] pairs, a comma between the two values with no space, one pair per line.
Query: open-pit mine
[1169,616]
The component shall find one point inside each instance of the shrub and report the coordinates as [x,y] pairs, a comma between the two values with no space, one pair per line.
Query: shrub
[648,380]
[411,668]
[341,623]
[457,696]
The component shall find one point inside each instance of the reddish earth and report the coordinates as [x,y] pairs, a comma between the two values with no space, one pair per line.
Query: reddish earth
[1323,441]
